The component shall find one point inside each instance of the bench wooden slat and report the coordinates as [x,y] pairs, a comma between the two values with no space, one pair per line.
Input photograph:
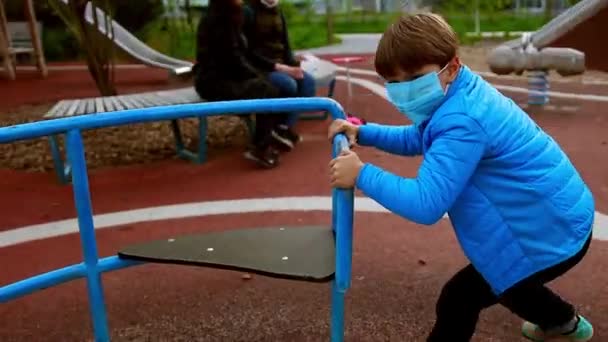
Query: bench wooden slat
[164,98]
[63,110]
[99,105]
[124,100]
[138,103]
[150,99]
[72,108]
[116,103]
[142,100]
[56,110]
[82,107]
[161,100]
[129,103]
[181,97]
[107,103]
[147,99]
[121,101]
[176,96]
[91,106]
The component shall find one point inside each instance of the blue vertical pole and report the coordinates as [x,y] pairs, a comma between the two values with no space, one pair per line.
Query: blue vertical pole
[60,168]
[344,241]
[202,139]
[334,209]
[337,313]
[82,199]
[342,222]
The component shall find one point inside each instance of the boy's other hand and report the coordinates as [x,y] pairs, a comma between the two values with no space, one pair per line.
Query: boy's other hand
[344,170]
[296,72]
[293,71]
[342,126]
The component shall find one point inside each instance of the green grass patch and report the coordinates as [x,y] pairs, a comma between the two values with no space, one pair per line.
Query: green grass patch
[308,36]
[178,40]
[497,22]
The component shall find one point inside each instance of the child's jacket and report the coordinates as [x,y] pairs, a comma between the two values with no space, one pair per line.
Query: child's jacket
[515,200]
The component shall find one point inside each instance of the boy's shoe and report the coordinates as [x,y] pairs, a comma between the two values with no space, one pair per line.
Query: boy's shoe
[582,333]
[286,138]
[265,156]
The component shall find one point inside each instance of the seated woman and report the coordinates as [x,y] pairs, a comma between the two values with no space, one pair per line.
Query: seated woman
[268,38]
[226,71]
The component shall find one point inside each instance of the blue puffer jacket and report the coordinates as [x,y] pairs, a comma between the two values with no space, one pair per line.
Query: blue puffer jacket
[516,202]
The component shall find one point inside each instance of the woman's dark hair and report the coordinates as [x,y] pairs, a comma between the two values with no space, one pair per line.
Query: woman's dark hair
[232,9]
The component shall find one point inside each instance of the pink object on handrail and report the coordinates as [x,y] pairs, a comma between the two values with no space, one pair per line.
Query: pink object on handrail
[348,59]
[355,120]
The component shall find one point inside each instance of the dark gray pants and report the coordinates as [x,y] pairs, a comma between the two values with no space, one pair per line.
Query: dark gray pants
[467,293]
[253,88]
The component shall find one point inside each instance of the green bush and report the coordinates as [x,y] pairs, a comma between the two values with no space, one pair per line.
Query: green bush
[59,44]
[134,15]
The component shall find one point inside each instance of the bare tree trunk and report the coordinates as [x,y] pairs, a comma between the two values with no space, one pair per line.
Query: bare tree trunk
[99,49]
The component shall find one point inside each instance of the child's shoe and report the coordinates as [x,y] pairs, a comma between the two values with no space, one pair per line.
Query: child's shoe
[582,333]
[286,138]
[265,156]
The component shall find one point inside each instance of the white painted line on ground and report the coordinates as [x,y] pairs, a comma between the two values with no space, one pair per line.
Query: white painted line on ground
[366,72]
[558,94]
[201,209]
[556,80]
[380,90]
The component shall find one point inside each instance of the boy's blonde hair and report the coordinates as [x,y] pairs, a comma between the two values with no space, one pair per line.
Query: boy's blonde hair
[414,41]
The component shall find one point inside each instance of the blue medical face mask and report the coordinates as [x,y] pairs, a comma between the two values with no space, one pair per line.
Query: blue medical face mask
[419,98]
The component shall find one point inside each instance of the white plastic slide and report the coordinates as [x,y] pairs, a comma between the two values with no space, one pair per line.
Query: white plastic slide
[135,47]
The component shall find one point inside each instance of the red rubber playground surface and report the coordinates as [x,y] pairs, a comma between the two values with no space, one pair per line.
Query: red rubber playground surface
[398,267]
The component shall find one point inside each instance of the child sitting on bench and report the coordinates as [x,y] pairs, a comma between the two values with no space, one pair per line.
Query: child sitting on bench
[521,211]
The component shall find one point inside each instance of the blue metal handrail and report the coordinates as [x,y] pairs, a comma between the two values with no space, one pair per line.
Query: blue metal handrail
[92,267]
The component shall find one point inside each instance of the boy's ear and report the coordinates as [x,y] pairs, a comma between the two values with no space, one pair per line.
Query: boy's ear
[453,68]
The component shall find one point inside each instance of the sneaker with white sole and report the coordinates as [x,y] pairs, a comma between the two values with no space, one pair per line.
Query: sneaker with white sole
[286,138]
[265,156]
[582,333]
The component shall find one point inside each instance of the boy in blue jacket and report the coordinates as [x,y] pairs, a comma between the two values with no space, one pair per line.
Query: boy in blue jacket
[520,210]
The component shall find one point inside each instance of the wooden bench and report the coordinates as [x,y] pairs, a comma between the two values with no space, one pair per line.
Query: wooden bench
[94,105]
[323,72]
